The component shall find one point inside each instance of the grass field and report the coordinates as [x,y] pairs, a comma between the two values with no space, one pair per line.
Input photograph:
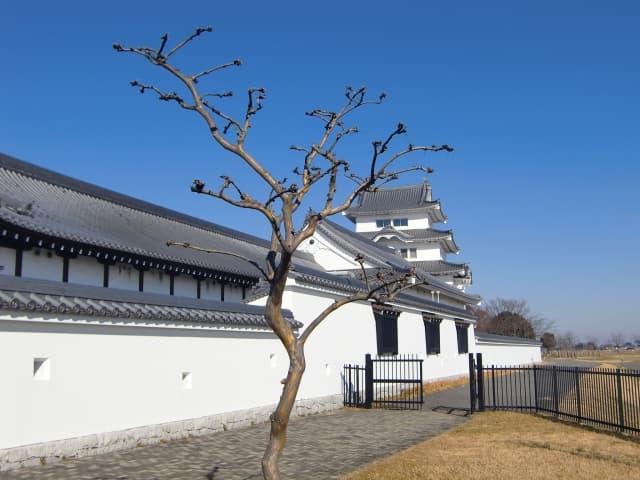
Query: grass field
[504,445]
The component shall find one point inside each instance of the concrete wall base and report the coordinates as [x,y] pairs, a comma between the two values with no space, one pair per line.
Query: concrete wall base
[47,452]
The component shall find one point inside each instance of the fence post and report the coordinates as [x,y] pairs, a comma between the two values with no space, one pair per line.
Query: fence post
[535,387]
[556,400]
[480,383]
[578,399]
[368,381]
[421,384]
[493,385]
[620,400]
[472,386]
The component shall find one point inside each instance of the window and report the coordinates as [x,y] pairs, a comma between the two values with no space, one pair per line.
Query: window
[386,330]
[400,222]
[409,253]
[432,333]
[462,330]
[385,222]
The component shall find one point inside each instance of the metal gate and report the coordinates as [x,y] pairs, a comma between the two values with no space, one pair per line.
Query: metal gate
[384,382]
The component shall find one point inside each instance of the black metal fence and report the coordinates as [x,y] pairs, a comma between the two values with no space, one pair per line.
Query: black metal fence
[384,382]
[600,397]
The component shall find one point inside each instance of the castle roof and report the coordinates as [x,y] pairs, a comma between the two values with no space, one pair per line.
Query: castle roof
[379,256]
[422,235]
[45,208]
[42,208]
[401,200]
[442,267]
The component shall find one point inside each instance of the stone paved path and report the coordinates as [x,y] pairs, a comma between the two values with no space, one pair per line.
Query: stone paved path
[320,447]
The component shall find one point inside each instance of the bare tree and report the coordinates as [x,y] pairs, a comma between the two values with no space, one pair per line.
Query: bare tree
[566,341]
[617,339]
[320,167]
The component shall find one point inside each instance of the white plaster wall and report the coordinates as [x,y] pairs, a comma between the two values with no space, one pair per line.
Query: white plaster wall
[232,293]
[210,290]
[86,271]
[185,286]
[156,281]
[448,362]
[43,264]
[328,255]
[349,333]
[415,221]
[123,276]
[7,261]
[106,378]
[508,354]
[344,337]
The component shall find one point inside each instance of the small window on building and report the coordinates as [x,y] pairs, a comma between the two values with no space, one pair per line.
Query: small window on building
[404,252]
[41,368]
[462,332]
[400,222]
[432,333]
[386,330]
[413,253]
[187,380]
[381,223]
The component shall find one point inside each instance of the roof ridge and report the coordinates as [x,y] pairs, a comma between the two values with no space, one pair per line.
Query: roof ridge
[86,188]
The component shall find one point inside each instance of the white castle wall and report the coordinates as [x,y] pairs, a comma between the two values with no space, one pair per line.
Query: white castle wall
[42,264]
[7,261]
[415,221]
[86,271]
[508,354]
[112,377]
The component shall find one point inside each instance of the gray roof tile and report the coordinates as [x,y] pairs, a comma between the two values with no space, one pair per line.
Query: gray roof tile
[56,297]
[397,200]
[42,201]
[419,235]
[380,256]
[441,267]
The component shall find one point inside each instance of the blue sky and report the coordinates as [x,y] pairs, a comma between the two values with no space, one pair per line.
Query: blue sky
[540,99]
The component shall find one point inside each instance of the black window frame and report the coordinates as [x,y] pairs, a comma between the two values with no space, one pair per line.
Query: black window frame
[432,333]
[386,330]
[462,336]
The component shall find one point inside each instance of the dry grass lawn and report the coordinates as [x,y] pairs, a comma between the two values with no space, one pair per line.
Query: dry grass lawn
[504,445]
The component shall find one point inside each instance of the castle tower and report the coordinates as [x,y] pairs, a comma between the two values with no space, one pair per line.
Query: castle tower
[402,219]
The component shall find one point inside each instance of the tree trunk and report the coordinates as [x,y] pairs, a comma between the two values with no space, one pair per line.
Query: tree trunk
[280,417]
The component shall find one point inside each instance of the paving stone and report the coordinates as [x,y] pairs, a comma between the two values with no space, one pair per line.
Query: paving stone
[319,447]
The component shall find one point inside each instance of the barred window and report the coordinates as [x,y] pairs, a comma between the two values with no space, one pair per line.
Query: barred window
[462,332]
[432,333]
[385,222]
[386,331]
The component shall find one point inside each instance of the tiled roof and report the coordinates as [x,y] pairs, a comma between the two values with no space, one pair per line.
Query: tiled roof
[39,200]
[404,199]
[418,235]
[379,256]
[56,297]
[441,267]
[492,338]
[350,284]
